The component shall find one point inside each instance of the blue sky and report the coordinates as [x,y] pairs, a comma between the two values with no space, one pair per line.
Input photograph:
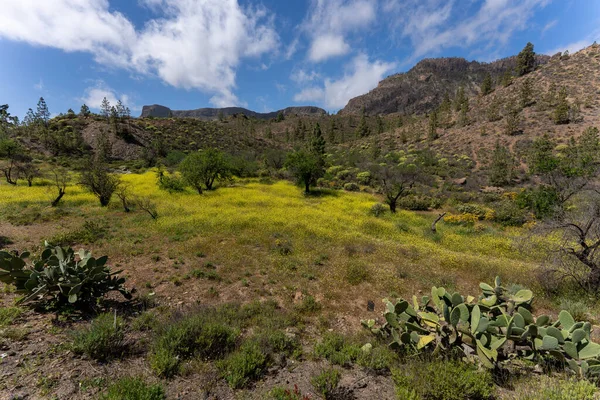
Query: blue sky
[263,55]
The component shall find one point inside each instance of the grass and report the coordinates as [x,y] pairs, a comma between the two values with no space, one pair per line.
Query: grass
[103,339]
[133,389]
[251,218]
[326,381]
[9,314]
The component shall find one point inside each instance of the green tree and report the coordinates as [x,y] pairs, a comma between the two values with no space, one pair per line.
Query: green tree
[501,166]
[460,99]
[204,168]
[317,144]
[105,109]
[487,86]
[305,166]
[98,180]
[507,78]
[13,152]
[331,132]
[84,111]
[561,112]
[380,125]
[280,116]
[492,113]
[42,114]
[362,130]
[525,60]
[396,180]
[513,122]
[433,125]
[526,97]
[463,117]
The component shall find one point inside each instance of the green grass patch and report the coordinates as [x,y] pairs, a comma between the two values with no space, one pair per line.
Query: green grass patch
[133,389]
[103,339]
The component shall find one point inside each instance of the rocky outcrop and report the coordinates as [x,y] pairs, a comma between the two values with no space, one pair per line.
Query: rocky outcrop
[422,89]
[159,111]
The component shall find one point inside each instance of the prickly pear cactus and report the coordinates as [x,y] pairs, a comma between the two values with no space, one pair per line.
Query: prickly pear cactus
[494,328]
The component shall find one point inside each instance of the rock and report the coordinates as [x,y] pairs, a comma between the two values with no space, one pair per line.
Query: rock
[370,305]
[460,181]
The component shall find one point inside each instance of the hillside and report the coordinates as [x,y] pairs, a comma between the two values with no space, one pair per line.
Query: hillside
[159,111]
[423,87]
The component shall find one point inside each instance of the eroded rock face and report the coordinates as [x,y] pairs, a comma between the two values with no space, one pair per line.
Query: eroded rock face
[422,89]
[159,111]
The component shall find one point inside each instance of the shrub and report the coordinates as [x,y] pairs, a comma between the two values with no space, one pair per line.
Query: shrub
[61,276]
[133,389]
[542,201]
[197,335]
[337,350]
[443,380]
[309,305]
[475,209]
[356,273]
[414,203]
[102,339]
[508,213]
[171,183]
[88,233]
[378,359]
[577,309]
[364,178]
[97,179]
[326,382]
[461,219]
[378,209]
[351,187]
[243,366]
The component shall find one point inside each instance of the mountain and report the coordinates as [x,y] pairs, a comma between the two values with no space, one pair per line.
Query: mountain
[213,113]
[422,88]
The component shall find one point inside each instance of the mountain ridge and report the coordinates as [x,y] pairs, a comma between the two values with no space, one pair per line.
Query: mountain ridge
[160,111]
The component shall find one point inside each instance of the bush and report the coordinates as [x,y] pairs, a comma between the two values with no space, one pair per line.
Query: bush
[475,209]
[309,305]
[443,380]
[542,201]
[280,393]
[244,366]
[103,339]
[326,382]
[171,183]
[508,213]
[461,219]
[336,349]
[414,203]
[133,389]
[577,309]
[356,273]
[61,276]
[351,187]
[378,209]
[555,389]
[378,359]
[90,232]
[364,178]
[193,336]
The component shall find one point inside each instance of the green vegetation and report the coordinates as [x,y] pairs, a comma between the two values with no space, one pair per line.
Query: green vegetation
[61,276]
[133,389]
[103,339]
[326,382]
[445,322]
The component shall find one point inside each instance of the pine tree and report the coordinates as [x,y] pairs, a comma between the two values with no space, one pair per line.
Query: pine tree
[501,166]
[525,60]
[105,109]
[30,118]
[317,144]
[493,111]
[331,133]
[120,109]
[42,115]
[526,93]
[84,111]
[487,86]
[460,99]
[433,125]
[363,129]
[463,117]
[512,122]
[507,78]
[380,125]
[287,135]
[561,112]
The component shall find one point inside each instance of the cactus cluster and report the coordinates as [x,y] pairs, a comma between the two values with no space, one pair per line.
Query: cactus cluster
[494,328]
[60,276]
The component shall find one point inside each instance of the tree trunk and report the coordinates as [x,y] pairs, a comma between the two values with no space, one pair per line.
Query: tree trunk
[61,193]
[307,187]
[433,226]
[392,204]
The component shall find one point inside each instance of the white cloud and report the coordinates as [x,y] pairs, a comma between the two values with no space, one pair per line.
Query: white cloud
[549,26]
[94,95]
[429,23]
[330,21]
[577,45]
[361,76]
[300,76]
[191,44]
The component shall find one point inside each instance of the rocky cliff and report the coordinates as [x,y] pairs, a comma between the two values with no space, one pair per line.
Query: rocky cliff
[159,111]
